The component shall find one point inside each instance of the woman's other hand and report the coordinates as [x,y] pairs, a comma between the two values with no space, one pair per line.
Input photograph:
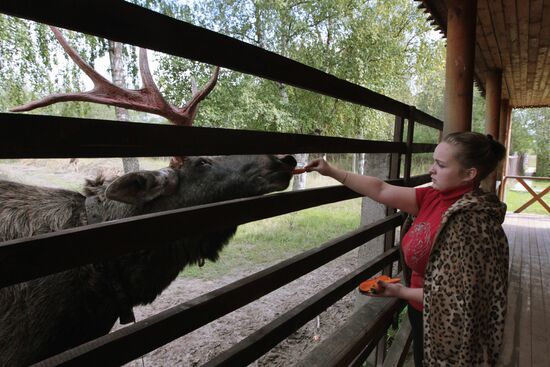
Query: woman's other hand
[388,289]
[398,290]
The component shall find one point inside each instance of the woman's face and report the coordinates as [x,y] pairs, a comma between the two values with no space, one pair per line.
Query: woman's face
[446,171]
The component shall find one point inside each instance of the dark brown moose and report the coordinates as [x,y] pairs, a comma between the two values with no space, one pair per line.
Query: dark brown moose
[43,317]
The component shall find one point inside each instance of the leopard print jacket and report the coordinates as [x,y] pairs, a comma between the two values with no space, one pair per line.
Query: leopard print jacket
[465,285]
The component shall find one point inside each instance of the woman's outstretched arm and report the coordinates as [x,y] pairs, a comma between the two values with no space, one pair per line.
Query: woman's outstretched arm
[402,198]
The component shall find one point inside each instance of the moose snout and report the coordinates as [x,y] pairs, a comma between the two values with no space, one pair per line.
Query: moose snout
[288,160]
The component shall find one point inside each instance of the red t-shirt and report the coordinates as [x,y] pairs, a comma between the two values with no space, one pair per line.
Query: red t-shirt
[418,241]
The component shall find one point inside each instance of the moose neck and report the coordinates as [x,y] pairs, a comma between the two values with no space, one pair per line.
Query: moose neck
[146,273]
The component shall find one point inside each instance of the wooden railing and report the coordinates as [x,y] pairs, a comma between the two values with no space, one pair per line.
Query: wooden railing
[37,136]
[536,197]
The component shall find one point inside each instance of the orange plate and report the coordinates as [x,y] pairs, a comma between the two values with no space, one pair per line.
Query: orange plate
[371,285]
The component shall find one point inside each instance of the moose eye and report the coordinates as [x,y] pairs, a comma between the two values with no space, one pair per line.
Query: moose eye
[203,162]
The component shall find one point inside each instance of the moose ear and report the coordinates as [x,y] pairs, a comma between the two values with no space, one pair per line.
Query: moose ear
[142,186]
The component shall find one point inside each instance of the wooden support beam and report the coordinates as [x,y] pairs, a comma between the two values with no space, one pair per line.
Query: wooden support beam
[503,117]
[493,88]
[507,133]
[459,70]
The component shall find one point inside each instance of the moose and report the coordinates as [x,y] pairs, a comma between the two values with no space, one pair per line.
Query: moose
[43,317]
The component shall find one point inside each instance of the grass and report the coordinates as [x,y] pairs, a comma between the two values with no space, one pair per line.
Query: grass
[264,242]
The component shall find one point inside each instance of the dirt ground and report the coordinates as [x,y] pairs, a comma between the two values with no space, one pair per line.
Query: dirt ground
[203,344]
[208,341]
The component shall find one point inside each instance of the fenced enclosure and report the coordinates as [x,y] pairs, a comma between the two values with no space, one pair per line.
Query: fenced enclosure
[38,136]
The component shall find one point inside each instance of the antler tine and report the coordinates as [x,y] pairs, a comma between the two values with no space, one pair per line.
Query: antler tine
[52,99]
[191,106]
[83,65]
[149,85]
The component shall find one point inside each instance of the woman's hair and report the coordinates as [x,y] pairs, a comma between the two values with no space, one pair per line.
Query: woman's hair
[477,150]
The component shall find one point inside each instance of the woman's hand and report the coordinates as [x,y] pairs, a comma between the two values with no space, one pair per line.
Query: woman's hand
[319,165]
[388,289]
[398,290]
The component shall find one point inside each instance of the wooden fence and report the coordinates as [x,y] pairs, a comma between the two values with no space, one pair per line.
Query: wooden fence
[37,136]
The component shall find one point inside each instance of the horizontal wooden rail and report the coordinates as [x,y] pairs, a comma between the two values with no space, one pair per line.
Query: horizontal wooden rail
[419,180]
[422,148]
[28,258]
[261,341]
[129,23]
[135,340]
[357,337]
[424,119]
[534,178]
[22,136]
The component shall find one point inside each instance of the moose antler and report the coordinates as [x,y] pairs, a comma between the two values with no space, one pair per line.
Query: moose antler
[147,99]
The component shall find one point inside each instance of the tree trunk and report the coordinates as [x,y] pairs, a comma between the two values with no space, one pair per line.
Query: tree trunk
[543,165]
[361,163]
[117,72]
[522,160]
[299,181]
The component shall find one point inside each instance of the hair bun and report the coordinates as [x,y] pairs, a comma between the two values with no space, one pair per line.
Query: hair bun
[498,149]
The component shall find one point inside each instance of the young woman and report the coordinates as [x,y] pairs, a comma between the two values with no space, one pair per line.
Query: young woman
[455,249]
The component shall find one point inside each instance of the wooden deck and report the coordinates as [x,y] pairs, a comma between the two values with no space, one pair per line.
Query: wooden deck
[527,332]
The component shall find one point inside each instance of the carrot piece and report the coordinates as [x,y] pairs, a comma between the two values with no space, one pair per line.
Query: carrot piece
[371,285]
[298,171]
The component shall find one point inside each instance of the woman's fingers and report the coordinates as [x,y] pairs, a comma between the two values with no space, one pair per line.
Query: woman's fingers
[314,165]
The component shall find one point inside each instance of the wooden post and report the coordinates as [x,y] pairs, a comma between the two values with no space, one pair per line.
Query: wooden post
[377,165]
[504,107]
[507,140]
[459,69]
[493,89]
[504,116]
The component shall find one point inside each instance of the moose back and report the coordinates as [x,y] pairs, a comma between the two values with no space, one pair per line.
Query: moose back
[45,316]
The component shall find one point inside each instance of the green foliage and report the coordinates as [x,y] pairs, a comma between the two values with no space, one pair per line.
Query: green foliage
[24,67]
[371,43]
[478,112]
[385,46]
[531,133]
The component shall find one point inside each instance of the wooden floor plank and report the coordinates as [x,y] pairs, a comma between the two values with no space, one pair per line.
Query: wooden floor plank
[543,241]
[510,347]
[525,335]
[527,330]
[538,318]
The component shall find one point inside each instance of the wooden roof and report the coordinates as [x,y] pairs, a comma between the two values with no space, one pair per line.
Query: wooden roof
[512,35]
